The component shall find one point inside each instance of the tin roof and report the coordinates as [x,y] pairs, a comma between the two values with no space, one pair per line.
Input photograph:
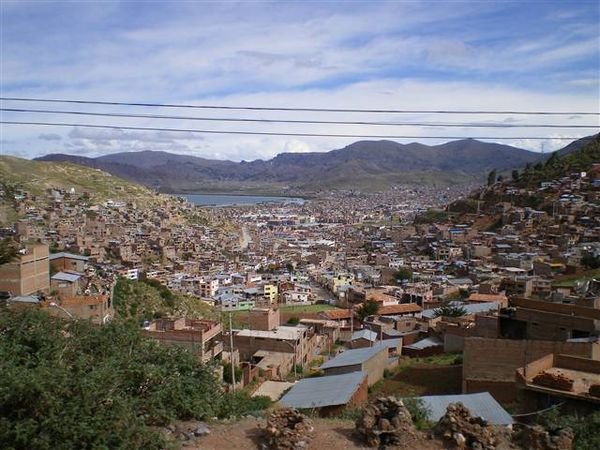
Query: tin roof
[481,405]
[323,391]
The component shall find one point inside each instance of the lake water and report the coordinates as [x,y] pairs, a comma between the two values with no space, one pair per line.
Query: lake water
[236,200]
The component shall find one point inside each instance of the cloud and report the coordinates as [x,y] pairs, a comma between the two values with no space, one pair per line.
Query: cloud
[372,55]
[50,137]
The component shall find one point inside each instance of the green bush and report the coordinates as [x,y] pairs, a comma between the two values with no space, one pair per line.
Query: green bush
[585,427]
[71,384]
[419,413]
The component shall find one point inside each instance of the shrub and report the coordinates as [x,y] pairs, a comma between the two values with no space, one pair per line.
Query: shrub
[71,384]
[419,413]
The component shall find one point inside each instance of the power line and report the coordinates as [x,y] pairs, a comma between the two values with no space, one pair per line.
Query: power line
[265,133]
[337,110]
[328,122]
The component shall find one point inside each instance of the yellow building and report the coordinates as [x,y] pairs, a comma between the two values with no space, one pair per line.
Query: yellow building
[271,293]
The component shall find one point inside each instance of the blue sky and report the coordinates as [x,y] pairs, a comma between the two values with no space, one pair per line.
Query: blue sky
[517,55]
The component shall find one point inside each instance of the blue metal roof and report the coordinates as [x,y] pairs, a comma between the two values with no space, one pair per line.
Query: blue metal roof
[63,276]
[53,256]
[365,334]
[471,308]
[323,391]
[354,357]
[480,405]
[425,343]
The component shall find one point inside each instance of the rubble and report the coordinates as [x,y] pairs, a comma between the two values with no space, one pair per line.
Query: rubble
[287,429]
[554,381]
[386,421]
[458,428]
[537,438]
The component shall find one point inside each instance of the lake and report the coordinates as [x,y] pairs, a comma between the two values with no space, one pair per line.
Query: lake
[236,200]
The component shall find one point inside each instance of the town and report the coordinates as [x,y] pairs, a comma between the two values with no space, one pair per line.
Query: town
[342,290]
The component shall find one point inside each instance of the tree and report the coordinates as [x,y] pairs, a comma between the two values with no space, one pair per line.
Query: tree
[450,310]
[368,308]
[403,274]
[491,178]
[8,250]
[515,175]
[590,261]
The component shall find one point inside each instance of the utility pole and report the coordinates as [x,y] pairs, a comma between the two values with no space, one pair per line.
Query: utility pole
[231,353]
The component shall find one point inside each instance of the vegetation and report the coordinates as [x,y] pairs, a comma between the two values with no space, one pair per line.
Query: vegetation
[450,310]
[8,250]
[557,166]
[419,412]
[148,299]
[37,176]
[70,384]
[368,308]
[227,373]
[585,427]
[403,274]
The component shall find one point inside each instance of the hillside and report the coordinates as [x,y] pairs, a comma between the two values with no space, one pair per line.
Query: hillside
[37,176]
[365,165]
[525,189]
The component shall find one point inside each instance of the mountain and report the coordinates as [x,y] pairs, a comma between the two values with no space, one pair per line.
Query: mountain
[576,145]
[363,165]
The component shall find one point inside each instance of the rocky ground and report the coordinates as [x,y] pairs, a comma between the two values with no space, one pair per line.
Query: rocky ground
[385,424]
[329,434]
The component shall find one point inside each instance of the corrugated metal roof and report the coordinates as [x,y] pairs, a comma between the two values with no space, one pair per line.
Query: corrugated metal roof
[353,357]
[425,343]
[365,334]
[53,256]
[323,391]
[471,308]
[63,276]
[480,405]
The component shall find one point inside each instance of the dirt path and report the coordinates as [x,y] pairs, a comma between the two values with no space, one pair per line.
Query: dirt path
[329,434]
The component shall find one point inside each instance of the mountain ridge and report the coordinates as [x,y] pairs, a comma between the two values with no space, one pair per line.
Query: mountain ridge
[368,164]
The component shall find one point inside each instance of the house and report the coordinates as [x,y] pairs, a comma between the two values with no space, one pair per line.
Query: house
[403,309]
[65,261]
[28,273]
[370,360]
[329,395]
[204,338]
[96,308]
[66,284]
[558,378]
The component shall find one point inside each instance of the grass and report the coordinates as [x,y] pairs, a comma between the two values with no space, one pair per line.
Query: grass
[569,281]
[306,308]
[432,375]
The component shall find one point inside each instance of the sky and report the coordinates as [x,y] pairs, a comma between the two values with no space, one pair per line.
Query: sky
[391,55]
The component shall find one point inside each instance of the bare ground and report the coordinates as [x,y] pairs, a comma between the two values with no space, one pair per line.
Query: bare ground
[329,434]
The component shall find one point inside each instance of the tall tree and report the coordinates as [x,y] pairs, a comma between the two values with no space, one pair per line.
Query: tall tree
[491,177]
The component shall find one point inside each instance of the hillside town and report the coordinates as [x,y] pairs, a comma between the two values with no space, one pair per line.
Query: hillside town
[340,290]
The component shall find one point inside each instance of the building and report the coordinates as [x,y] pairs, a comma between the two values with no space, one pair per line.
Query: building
[370,360]
[203,337]
[96,308]
[64,261]
[28,273]
[556,378]
[489,364]
[65,284]
[329,395]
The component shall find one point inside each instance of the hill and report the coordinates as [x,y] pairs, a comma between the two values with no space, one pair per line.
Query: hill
[38,176]
[365,165]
